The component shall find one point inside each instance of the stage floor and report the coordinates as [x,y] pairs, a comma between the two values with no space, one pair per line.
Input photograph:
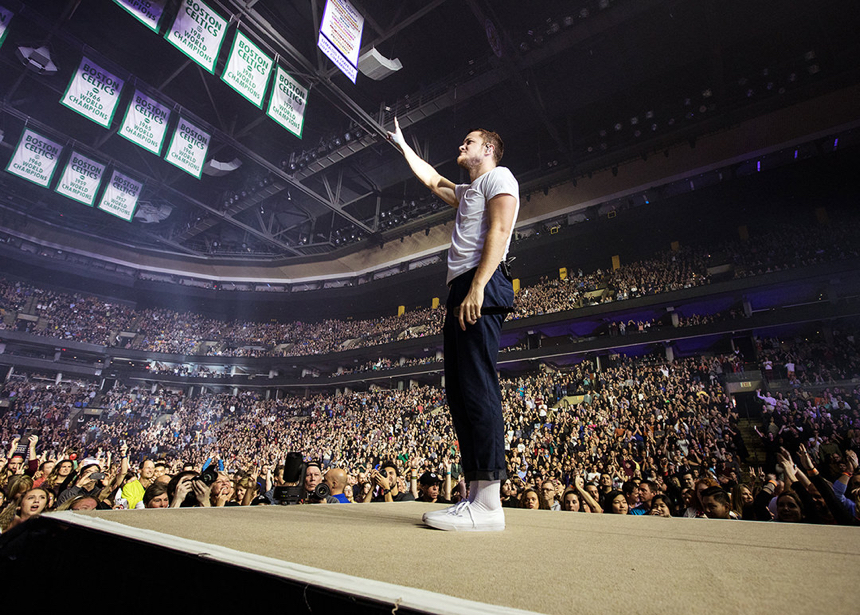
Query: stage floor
[546,562]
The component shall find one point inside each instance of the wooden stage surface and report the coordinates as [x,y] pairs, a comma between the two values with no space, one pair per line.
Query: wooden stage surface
[545,562]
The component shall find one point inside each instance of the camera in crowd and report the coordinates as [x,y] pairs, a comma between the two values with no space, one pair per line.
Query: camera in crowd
[208,476]
[293,490]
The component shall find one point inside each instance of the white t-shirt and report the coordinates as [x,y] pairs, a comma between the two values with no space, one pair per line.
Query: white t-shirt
[470,228]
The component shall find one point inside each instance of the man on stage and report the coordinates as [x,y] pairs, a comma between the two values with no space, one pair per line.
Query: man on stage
[480,291]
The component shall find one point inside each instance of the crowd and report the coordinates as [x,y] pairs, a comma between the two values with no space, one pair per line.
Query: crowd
[638,436]
[99,321]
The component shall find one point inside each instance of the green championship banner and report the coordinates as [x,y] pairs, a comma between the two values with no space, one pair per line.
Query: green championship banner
[198,32]
[93,92]
[5,18]
[287,103]
[35,159]
[145,122]
[81,179]
[188,148]
[247,69]
[147,12]
[120,197]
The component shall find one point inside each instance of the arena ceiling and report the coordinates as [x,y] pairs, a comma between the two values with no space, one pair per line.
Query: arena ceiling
[573,87]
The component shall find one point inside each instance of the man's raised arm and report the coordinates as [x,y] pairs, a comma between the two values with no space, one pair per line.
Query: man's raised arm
[441,187]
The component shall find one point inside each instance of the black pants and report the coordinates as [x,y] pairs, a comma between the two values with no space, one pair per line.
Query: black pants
[471,383]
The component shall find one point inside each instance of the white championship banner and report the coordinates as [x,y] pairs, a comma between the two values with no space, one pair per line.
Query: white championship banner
[35,159]
[147,12]
[287,102]
[120,197]
[93,92]
[145,122]
[5,18]
[247,69]
[188,148]
[198,32]
[340,36]
[81,179]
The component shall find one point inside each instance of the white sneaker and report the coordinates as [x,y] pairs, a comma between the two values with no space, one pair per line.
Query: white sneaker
[465,517]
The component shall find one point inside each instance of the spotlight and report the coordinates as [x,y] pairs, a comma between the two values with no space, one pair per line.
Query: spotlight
[567,21]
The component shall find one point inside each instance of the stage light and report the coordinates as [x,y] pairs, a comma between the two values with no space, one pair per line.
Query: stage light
[567,21]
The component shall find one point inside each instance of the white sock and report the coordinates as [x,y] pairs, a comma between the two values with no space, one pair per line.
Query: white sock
[486,494]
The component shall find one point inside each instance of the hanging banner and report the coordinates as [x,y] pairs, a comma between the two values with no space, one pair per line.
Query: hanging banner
[35,159]
[120,197]
[81,179]
[198,32]
[340,36]
[5,18]
[287,103]
[93,92]
[188,148]
[145,122]
[247,69]
[147,12]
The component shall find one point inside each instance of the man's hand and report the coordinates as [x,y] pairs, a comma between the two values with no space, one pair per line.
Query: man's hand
[396,137]
[851,461]
[380,479]
[470,309]
[34,439]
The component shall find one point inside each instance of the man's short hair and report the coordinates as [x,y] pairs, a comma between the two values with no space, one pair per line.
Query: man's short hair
[390,464]
[651,485]
[495,140]
[629,487]
[718,494]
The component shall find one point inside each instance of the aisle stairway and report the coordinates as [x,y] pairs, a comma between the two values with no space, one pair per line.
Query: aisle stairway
[753,442]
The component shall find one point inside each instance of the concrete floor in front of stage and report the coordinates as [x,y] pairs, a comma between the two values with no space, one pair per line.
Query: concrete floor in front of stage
[549,562]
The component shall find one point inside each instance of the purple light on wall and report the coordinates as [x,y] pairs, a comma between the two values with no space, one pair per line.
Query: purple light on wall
[836,143]
[758,165]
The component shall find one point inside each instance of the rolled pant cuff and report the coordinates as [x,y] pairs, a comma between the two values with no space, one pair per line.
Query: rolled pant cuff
[485,475]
